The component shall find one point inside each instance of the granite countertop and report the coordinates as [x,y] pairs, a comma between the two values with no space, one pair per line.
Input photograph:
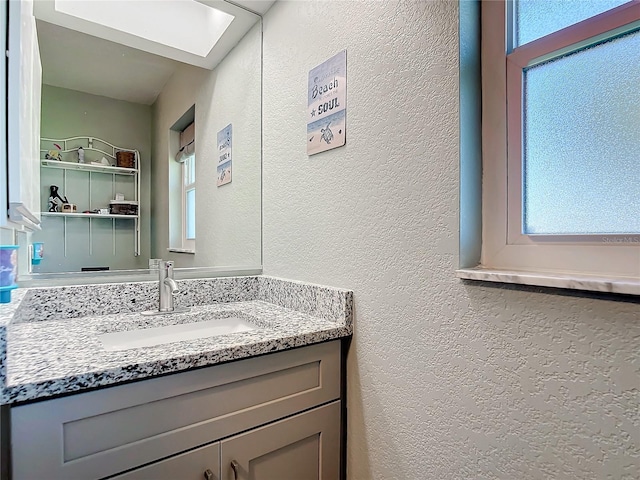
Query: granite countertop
[52,345]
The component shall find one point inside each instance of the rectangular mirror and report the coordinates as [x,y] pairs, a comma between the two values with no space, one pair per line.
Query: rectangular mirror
[170,159]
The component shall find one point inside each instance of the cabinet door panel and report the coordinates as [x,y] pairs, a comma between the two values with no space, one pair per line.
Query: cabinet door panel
[187,466]
[302,447]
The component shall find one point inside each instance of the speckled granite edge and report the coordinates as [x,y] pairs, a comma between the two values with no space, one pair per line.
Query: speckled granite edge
[50,303]
[47,303]
[62,356]
[300,314]
[43,390]
[330,303]
[7,312]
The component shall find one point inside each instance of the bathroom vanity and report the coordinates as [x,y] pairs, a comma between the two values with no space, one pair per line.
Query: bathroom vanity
[264,403]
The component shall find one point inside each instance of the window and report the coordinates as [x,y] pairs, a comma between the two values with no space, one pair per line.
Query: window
[560,143]
[187,157]
[189,202]
[182,185]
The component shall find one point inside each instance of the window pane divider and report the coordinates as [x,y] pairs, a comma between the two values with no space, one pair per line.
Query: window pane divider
[585,31]
[514,152]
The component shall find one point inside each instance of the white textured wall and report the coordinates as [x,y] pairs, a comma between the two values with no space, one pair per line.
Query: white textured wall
[228,218]
[446,380]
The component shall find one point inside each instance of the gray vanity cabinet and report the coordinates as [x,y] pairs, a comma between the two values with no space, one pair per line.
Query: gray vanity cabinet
[302,447]
[271,414]
[199,464]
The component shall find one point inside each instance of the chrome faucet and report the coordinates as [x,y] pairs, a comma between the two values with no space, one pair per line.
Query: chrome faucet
[167,286]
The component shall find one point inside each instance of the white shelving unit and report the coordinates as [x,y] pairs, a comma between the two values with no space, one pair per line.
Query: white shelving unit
[88,167]
[94,148]
[86,215]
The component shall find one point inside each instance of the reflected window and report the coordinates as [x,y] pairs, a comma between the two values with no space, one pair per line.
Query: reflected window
[182,186]
[189,198]
[187,157]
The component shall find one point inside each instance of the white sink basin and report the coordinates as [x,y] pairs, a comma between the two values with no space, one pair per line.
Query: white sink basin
[149,337]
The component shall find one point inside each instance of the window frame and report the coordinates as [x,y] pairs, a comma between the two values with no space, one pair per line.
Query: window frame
[187,243]
[604,259]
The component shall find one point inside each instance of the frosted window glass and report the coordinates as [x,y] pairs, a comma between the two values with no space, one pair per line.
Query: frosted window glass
[191,213]
[537,18]
[581,167]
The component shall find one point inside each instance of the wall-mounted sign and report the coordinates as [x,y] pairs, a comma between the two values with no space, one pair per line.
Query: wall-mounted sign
[224,155]
[327,105]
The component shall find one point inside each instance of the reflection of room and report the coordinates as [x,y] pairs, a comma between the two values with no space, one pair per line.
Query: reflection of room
[81,241]
[133,99]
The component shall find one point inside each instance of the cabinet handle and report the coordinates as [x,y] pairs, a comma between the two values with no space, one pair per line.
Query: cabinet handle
[235,467]
[208,474]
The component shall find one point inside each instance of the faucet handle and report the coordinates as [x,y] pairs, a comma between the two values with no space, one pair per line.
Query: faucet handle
[165,267]
[168,277]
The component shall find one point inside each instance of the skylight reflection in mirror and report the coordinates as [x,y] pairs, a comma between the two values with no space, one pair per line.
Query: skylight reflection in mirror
[186,25]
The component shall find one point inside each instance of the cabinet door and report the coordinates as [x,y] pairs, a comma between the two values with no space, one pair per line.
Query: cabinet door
[201,463]
[24,84]
[302,447]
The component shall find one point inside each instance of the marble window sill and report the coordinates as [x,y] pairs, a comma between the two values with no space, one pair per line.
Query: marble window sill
[623,285]
[181,250]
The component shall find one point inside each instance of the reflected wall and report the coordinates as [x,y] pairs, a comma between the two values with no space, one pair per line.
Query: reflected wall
[228,217]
